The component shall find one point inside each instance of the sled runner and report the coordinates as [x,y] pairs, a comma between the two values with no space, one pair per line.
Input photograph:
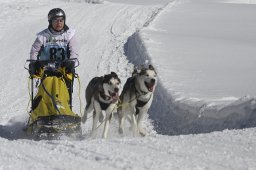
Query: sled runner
[51,112]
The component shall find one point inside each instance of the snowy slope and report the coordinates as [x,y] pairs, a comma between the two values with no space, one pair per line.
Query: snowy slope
[205,53]
[103,31]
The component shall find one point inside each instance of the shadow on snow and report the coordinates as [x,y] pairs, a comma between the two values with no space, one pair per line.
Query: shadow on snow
[13,131]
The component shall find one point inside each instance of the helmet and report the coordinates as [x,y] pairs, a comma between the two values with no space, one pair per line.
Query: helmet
[56,12]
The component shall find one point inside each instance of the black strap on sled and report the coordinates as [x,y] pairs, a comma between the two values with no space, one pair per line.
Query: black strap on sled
[31,70]
[70,91]
[53,101]
[32,93]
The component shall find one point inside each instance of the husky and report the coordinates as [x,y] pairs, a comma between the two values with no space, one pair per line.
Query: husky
[136,98]
[102,94]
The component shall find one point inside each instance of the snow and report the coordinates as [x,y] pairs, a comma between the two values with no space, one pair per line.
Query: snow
[205,58]
[241,1]
[196,48]
[218,150]
[203,51]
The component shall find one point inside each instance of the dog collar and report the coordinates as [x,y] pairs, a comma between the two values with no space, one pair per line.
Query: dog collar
[103,105]
[140,92]
[105,97]
[141,103]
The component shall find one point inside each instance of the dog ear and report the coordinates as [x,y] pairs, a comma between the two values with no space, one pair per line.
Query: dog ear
[143,70]
[114,74]
[150,67]
[106,78]
[119,79]
[135,71]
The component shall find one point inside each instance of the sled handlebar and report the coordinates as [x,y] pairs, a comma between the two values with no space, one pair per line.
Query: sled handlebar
[56,63]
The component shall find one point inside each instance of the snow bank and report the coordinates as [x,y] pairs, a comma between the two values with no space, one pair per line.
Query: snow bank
[173,115]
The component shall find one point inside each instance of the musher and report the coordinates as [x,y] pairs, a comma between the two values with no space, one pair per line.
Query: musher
[57,42]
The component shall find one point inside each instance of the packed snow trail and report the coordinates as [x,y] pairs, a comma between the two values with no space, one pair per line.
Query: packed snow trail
[219,150]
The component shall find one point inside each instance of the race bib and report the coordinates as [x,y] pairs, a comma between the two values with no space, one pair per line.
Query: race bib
[55,49]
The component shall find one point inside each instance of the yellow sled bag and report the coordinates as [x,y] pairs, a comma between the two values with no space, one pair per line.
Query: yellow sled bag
[51,107]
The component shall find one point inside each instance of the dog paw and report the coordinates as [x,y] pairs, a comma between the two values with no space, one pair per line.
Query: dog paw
[142,132]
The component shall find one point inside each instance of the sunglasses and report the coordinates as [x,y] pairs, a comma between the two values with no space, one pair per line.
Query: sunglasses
[58,20]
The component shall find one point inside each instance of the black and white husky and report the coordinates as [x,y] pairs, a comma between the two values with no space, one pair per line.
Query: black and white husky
[136,98]
[102,94]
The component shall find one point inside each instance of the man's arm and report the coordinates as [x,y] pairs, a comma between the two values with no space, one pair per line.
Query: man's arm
[36,47]
[73,47]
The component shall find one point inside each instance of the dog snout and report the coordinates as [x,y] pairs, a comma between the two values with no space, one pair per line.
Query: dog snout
[116,90]
[152,81]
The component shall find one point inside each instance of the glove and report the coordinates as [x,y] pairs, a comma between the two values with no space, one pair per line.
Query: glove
[69,65]
[34,67]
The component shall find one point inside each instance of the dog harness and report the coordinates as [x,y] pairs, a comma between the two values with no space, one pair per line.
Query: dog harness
[130,84]
[140,103]
[103,105]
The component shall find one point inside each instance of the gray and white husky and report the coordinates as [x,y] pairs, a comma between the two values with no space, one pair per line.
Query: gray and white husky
[102,94]
[136,98]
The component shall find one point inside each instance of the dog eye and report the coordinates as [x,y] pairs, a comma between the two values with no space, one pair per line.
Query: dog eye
[110,83]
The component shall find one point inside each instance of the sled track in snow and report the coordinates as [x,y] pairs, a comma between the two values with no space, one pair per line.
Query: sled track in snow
[174,117]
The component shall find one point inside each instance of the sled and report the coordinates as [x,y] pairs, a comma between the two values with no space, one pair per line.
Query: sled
[51,114]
